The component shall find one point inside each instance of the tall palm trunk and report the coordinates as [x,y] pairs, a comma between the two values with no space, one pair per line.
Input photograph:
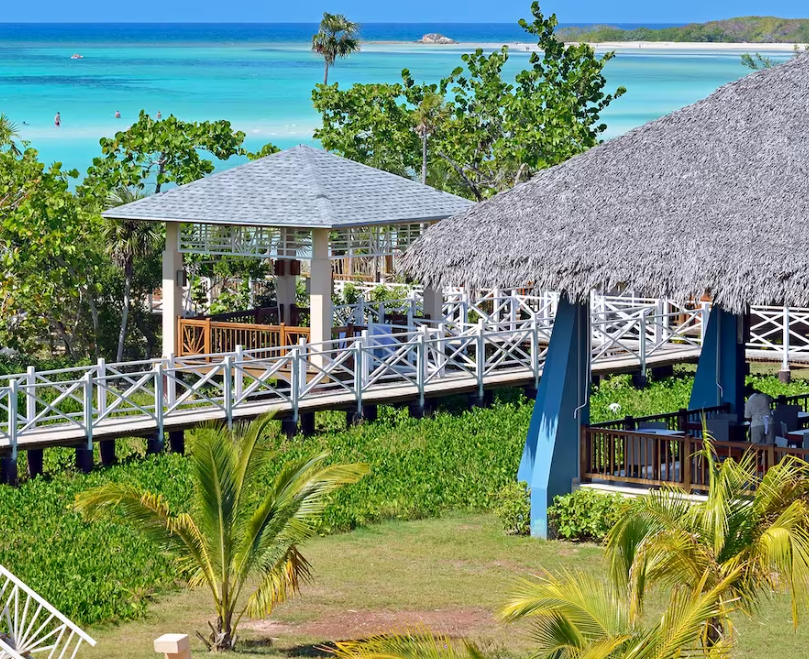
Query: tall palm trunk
[424,158]
[128,276]
[326,75]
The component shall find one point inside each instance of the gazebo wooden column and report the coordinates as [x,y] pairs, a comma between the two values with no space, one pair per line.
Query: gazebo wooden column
[172,292]
[320,288]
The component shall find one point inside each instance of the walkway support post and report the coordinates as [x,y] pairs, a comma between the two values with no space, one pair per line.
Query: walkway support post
[172,291]
[722,367]
[550,460]
[320,288]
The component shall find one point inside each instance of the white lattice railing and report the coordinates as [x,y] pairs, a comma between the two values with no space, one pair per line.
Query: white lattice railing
[30,627]
[510,333]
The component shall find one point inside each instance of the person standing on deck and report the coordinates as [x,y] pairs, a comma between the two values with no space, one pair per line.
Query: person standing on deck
[758,410]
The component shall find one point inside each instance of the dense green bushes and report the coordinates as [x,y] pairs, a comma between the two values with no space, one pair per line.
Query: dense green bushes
[585,514]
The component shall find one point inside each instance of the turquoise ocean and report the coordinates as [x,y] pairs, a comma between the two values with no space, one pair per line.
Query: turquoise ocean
[260,77]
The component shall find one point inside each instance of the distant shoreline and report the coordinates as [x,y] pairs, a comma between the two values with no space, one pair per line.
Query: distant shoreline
[612,45]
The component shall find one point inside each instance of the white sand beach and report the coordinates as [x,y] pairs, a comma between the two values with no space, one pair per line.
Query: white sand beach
[617,45]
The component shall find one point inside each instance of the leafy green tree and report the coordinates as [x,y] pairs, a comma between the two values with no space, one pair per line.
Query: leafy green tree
[160,152]
[50,256]
[336,37]
[239,536]
[763,539]
[491,133]
[126,241]
[267,150]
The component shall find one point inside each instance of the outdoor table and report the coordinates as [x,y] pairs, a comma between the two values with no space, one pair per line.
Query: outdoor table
[803,418]
[660,431]
[798,438]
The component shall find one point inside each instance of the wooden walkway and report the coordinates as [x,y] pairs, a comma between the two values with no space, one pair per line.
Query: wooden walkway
[322,396]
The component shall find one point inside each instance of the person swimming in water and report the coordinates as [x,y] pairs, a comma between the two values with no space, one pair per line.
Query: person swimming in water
[117,114]
[159,116]
[57,120]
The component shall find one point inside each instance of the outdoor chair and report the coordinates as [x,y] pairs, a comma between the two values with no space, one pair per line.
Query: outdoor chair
[786,415]
[719,429]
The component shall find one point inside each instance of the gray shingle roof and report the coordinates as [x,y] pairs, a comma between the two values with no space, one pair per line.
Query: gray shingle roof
[299,187]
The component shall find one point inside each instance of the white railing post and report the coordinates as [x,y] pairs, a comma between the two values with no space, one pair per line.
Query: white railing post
[366,360]
[30,396]
[706,312]
[101,390]
[535,351]
[421,364]
[512,310]
[411,309]
[227,389]
[303,355]
[480,357]
[659,334]
[642,321]
[380,313]
[785,341]
[464,309]
[12,417]
[88,408]
[441,364]
[294,390]
[359,313]
[358,370]
[171,384]
[238,374]
[159,379]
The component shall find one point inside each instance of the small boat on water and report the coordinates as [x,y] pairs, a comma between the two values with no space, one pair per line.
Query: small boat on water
[76,56]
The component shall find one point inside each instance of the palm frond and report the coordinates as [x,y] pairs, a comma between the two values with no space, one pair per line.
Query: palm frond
[408,645]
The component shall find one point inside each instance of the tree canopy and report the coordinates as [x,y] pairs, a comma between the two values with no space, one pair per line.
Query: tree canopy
[491,132]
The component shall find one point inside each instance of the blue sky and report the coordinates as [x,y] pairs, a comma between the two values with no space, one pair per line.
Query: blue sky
[499,11]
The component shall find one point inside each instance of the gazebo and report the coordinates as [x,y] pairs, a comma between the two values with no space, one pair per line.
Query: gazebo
[711,199]
[298,204]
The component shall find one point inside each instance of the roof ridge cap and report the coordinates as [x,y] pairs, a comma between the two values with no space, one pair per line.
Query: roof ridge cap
[321,197]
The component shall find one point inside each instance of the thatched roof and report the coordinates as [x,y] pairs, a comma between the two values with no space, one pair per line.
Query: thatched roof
[711,198]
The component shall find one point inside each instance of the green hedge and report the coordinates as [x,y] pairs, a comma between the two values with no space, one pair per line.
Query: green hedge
[585,514]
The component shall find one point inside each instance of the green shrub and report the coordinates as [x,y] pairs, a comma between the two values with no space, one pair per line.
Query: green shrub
[513,507]
[585,514]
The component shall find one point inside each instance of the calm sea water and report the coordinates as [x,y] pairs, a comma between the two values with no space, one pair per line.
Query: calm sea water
[260,77]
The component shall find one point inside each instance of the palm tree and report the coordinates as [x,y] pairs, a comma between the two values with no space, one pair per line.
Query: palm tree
[240,533]
[428,115]
[336,37]
[763,537]
[574,617]
[125,241]
[8,135]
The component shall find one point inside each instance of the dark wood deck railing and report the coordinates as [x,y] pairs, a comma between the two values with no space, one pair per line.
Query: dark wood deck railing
[652,460]
[206,337]
[678,420]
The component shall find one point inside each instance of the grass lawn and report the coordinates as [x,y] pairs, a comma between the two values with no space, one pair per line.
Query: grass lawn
[447,574]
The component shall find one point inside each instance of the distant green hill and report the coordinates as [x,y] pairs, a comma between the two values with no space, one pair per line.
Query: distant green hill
[746,29]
